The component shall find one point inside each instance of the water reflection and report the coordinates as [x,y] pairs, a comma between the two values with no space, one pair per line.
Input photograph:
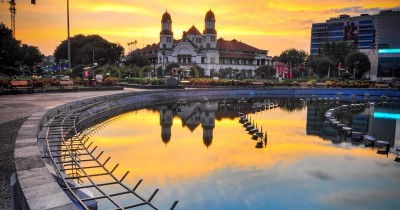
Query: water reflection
[364,121]
[194,115]
[201,155]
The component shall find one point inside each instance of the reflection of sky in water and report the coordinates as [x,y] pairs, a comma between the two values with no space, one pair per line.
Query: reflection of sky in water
[295,170]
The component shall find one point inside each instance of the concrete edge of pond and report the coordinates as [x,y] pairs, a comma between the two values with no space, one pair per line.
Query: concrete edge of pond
[35,188]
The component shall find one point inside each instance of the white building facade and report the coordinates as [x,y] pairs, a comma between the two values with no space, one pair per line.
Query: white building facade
[203,49]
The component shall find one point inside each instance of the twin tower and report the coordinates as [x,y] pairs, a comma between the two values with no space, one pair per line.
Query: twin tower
[206,40]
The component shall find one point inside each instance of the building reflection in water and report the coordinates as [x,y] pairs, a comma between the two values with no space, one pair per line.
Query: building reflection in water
[387,129]
[194,114]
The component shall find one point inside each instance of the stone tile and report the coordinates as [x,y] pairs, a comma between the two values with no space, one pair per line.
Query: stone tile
[27,125]
[30,123]
[27,140]
[49,202]
[24,174]
[38,114]
[39,117]
[65,207]
[26,133]
[20,144]
[27,163]
[40,179]
[26,151]
[42,190]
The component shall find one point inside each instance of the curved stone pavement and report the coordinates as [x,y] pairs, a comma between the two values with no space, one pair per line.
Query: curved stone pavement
[22,111]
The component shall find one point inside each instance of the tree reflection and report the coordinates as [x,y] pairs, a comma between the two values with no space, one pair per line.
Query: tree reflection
[291,105]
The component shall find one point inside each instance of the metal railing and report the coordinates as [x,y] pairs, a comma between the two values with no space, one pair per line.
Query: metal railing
[74,159]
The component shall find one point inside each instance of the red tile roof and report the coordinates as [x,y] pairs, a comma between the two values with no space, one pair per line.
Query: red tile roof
[236,55]
[235,45]
[210,15]
[193,30]
[148,49]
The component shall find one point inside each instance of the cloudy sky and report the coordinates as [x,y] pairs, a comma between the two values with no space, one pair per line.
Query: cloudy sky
[272,25]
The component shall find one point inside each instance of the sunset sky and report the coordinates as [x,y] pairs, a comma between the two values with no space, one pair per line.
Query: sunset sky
[272,25]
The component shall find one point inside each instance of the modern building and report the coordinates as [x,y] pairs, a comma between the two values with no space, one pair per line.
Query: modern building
[203,49]
[376,35]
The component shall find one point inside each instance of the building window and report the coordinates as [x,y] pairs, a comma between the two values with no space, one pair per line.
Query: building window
[203,59]
[213,38]
[169,39]
[208,45]
[198,40]
[212,60]
[164,46]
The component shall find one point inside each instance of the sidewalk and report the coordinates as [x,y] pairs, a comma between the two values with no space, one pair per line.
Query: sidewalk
[14,110]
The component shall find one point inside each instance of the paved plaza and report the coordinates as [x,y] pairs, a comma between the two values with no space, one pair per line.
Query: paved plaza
[14,110]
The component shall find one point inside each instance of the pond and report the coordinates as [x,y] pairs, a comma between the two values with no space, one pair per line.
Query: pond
[200,154]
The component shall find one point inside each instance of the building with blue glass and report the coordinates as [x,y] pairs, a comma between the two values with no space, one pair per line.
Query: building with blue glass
[376,35]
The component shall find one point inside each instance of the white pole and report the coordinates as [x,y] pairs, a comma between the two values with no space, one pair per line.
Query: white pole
[69,41]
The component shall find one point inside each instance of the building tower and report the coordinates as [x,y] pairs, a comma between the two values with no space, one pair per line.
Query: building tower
[166,34]
[209,33]
[166,117]
[208,124]
[210,43]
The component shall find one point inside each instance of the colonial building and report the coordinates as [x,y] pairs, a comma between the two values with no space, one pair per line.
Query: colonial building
[203,49]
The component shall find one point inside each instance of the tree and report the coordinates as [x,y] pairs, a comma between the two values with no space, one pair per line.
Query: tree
[8,46]
[322,66]
[13,54]
[88,49]
[169,67]
[227,73]
[136,60]
[197,71]
[30,55]
[265,72]
[337,51]
[293,57]
[358,62]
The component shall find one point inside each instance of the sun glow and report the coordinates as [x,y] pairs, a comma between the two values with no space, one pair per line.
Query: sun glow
[271,25]
[135,142]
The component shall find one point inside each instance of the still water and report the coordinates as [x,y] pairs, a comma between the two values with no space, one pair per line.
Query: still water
[199,153]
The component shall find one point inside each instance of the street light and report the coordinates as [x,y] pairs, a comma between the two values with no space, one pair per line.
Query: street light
[393,71]
[154,65]
[163,67]
[69,40]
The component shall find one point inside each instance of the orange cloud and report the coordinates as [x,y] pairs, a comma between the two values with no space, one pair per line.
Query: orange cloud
[272,25]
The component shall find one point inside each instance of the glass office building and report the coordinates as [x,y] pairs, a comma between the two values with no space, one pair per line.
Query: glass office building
[376,35]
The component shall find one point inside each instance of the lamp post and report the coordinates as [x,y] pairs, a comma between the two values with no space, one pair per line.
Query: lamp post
[195,67]
[69,40]
[154,68]
[393,71]
[163,67]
